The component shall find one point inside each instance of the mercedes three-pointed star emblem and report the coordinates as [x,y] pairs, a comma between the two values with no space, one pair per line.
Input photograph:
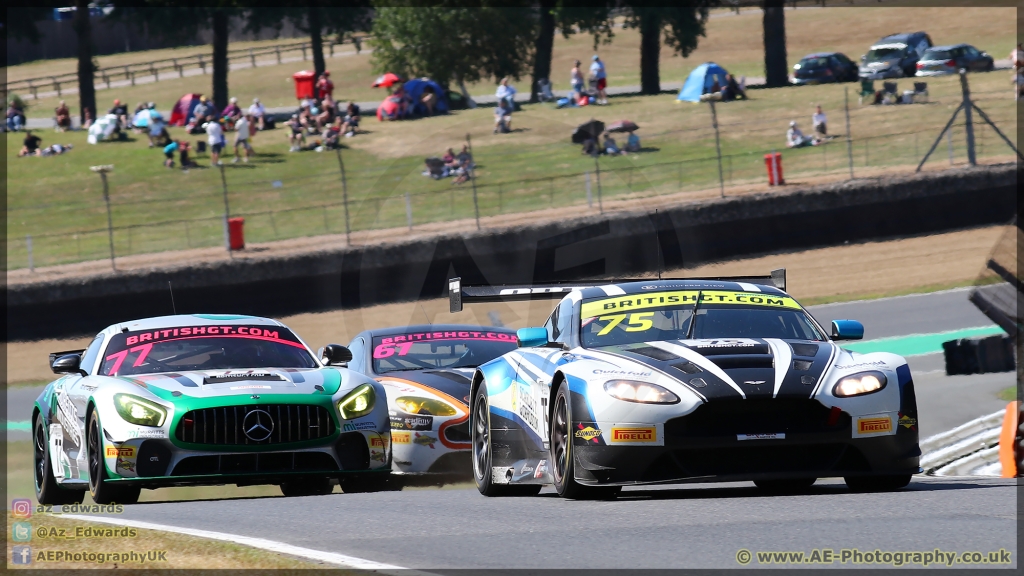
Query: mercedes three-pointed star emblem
[258,425]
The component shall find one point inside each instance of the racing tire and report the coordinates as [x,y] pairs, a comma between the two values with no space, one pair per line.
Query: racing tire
[47,489]
[376,483]
[103,491]
[787,486]
[307,487]
[480,438]
[877,483]
[562,466]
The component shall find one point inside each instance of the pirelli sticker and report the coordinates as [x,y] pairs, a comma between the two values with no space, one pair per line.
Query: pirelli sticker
[401,437]
[631,302]
[634,435]
[876,424]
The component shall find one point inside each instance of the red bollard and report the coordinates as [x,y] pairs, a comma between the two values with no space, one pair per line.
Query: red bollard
[236,233]
[773,162]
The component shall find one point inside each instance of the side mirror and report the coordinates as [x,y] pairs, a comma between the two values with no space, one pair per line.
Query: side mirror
[68,364]
[532,337]
[847,330]
[335,355]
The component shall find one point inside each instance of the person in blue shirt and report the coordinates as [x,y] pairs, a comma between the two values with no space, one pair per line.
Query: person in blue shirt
[169,151]
[598,73]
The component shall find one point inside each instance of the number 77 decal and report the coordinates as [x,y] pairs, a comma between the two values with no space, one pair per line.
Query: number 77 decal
[119,357]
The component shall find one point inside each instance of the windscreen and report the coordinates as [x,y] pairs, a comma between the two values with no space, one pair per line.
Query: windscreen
[814,63]
[936,55]
[439,350]
[884,52]
[659,316]
[204,348]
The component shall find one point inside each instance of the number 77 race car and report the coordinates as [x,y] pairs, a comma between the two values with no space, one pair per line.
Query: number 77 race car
[205,399]
[685,380]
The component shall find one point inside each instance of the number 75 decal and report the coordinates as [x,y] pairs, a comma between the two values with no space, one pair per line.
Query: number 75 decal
[638,322]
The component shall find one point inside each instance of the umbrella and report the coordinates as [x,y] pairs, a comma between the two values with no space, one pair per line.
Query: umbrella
[387,80]
[591,129]
[623,126]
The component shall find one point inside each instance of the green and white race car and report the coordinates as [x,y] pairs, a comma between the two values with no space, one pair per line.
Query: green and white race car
[206,399]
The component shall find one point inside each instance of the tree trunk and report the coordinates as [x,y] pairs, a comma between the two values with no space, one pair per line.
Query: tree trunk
[220,59]
[776,67]
[650,51]
[86,88]
[543,48]
[313,19]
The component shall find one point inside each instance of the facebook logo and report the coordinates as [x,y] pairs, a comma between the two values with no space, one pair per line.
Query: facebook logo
[21,555]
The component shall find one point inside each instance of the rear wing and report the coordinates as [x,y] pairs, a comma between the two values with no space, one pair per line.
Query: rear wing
[459,294]
[55,355]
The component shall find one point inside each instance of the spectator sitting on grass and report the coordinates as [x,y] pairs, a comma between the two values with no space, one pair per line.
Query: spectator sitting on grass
[633,143]
[15,116]
[121,111]
[610,147]
[56,149]
[796,139]
[257,111]
[30,146]
[732,90]
[465,165]
[819,121]
[62,116]
[327,113]
[429,99]
[296,134]
[502,118]
[169,151]
[590,147]
[449,159]
[351,120]
[232,113]
[306,119]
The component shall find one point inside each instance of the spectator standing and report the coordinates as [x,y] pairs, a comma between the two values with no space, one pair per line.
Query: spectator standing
[819,121]
[62,116]
[576,81]
[30,146]
[242,135]
[507,93]
[502,118]
[215,138]
[598,73]
[257,111]
[324,86]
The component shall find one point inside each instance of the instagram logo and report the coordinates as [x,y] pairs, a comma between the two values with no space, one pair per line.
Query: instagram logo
[21,508]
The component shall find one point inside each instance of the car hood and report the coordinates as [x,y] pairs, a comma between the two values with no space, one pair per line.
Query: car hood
[736,368]
[215,383]
[454,382]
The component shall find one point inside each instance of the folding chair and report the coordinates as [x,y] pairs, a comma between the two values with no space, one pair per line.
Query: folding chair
[889,93]
[920,91]
[545,90]
[867,88]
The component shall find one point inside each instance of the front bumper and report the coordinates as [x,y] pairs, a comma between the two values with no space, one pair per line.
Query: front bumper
[893,72]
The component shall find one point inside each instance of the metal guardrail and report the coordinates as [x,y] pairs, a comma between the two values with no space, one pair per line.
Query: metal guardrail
[961,448]
[171,67]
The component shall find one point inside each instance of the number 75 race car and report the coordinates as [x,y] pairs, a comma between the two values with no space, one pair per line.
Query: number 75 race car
[686,380]
[205,399]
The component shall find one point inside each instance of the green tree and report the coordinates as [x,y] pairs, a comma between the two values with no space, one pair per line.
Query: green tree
[463,42]
[86,68]
[172,21]
[682,26]
[776,66]
[569,16]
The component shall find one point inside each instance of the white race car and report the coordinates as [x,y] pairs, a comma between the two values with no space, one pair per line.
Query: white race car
[205,399]
[686,380]
[426,371]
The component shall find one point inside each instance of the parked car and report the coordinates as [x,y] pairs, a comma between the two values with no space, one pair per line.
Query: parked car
[942,60]
[824,67]
[894,56]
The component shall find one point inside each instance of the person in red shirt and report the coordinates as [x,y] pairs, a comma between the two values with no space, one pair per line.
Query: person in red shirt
[324,86]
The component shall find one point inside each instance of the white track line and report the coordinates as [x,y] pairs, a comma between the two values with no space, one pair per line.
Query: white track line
[270,545]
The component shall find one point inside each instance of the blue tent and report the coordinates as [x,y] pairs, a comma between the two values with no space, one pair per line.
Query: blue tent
[414,89]
[700,81]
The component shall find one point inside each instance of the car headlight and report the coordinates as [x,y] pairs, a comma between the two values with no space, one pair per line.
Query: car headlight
[138,411]
[859,384]
[358,402]
[424,406]
[642,392]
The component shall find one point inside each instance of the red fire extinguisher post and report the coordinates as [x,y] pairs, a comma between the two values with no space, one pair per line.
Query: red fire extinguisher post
[773,163]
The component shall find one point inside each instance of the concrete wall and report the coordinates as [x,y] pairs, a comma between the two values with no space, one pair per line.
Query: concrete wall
[592,246]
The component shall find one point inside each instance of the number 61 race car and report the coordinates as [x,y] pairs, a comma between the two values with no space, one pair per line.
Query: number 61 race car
[687,380]
[205,399]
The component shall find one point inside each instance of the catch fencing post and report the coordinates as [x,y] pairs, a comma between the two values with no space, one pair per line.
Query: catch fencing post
[968,108]
[28,243]
[597,177]
[849,139]
[472,179]
[408,206]
[102,171]
[718,148]
[590,199]
[344,196]
[227,212]
[949,140]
